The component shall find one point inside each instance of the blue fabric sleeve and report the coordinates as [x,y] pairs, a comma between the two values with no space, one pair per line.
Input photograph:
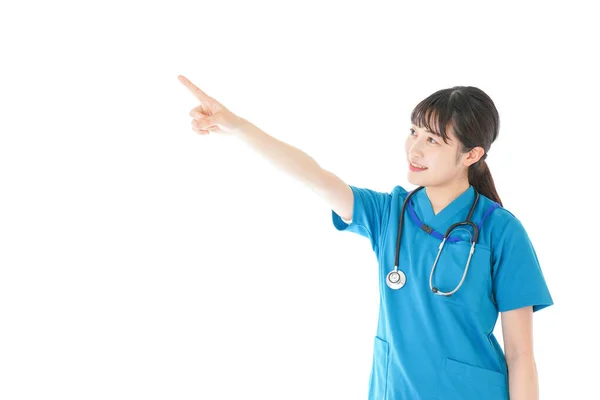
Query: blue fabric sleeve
[369,215]
[518,280]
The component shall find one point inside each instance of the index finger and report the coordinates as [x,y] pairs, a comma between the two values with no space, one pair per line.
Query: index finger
[193,88]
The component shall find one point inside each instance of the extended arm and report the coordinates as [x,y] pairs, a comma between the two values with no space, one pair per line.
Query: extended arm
[300,166]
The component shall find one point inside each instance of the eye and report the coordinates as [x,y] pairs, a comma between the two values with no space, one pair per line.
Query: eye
[433,141]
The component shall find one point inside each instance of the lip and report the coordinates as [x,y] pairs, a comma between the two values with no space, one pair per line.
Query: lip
[414,169]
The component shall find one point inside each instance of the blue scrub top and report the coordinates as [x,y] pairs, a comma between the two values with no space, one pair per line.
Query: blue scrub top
[434,347]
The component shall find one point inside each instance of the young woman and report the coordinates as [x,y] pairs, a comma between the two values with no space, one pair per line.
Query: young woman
[450,257]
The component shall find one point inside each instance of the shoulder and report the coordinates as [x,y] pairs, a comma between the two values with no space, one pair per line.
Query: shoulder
[496,216]
[399,192]
[396,192]
[505,221]
[501,224]
[507,234]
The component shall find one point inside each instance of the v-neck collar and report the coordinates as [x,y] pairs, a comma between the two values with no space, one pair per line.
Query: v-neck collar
[440,220]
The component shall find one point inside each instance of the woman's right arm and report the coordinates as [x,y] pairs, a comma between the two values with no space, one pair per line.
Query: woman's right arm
[300,166]
[211,117]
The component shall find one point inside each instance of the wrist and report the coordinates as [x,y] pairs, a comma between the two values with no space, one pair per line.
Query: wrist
[241,126]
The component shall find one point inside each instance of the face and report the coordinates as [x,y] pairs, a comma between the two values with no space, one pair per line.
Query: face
[444,164]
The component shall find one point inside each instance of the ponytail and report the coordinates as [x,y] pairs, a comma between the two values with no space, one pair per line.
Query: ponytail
[481,179]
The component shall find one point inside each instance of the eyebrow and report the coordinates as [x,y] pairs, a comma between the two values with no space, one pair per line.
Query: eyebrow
[428,131]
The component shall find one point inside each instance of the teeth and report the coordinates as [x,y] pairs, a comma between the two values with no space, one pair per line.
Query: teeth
[416,165]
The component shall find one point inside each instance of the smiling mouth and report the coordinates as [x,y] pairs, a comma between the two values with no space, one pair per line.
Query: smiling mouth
[416,166]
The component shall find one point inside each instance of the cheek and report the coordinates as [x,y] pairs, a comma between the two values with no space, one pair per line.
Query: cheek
[447,163]
[406,145]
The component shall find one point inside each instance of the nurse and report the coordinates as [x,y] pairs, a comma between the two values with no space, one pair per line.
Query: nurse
[441,290]
[430,345]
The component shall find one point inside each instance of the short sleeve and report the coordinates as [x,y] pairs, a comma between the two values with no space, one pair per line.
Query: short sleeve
[369,215]
[518,280]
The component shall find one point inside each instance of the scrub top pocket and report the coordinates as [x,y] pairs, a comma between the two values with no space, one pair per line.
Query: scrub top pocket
[449,271]
[467,382]
[379,372]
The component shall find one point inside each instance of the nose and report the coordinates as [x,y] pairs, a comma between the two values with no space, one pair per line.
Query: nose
[413,149]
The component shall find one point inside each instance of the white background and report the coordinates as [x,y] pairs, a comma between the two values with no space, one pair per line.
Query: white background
[140,260]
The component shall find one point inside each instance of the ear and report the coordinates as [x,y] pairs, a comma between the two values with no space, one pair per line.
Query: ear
[473,156]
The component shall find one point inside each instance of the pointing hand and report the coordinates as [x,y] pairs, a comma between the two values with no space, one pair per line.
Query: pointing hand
[211,116]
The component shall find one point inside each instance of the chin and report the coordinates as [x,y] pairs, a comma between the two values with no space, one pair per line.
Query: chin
[414,180]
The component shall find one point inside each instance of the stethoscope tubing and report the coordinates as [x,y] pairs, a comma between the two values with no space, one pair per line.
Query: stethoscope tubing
[396,279]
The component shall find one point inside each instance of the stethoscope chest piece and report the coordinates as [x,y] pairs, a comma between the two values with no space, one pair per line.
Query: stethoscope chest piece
[395,279]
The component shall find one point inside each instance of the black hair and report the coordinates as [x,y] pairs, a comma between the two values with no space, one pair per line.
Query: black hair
[473,118]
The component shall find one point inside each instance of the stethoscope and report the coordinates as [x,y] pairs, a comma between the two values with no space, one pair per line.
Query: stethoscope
[396,278]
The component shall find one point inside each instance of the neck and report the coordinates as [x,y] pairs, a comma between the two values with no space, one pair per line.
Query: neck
[441,196]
